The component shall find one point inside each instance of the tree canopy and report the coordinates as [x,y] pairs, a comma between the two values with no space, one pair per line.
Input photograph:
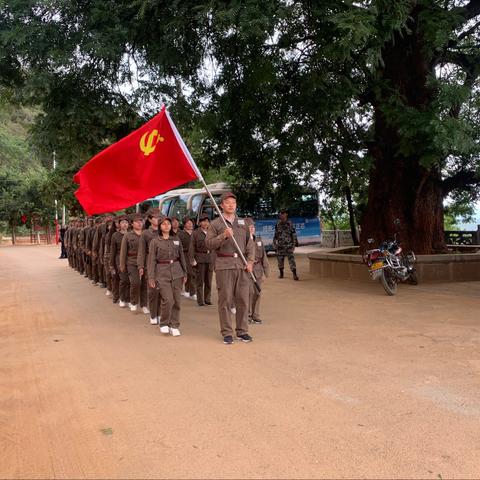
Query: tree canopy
[372,97]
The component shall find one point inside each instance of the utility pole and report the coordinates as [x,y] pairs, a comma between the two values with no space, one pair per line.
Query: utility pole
[56,203]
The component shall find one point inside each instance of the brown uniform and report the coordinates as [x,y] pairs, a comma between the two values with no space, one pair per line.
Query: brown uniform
[143,248]
[199,254]
[123,291]
[87,249]
[261,268]
[166,264]
[80,248]
[233,282]
[68,245]
[94,252]
[74,242]
[186,238]
[106,259]
[128,263]
[97,251]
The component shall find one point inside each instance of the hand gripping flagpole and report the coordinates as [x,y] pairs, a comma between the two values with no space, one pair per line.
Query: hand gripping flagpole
[217,208]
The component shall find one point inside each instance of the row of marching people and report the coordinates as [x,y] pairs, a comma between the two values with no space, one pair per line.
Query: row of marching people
[148,262]
[144,263]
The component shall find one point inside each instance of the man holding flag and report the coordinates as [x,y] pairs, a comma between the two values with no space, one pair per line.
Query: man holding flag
[149,161]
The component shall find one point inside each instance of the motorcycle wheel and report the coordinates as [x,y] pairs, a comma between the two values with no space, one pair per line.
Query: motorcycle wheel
[388,281]
[412,278]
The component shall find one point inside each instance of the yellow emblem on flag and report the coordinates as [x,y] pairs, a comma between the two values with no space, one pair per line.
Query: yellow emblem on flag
[149,141]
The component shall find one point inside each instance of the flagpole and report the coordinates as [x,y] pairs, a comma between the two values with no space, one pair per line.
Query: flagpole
[217,208]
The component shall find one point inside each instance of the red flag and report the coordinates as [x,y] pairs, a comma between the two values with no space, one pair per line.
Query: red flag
[149,161]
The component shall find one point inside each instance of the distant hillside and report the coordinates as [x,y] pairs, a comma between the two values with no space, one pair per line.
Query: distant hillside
[14,146]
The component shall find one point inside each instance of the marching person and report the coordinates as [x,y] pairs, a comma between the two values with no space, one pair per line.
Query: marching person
[109,231]
[74,245]
[68,242]
[185,236]
[88,233]
[175,226]
[97,259]
[231,274]
[128,263]
[284,243]
[79,245]
[115,247]
[261,268]
[63,251]
[201,259]
[150,232]
[113,273]
[167,271]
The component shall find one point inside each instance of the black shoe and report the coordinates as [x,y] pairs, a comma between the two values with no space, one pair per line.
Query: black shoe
[115,300]
[103,285]
[201,304]
[281,273]
[228,340]
[295,276]
[246,338]
[208,303]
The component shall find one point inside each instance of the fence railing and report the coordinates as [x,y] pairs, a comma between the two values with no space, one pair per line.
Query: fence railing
[343,238]
[463,237]
[336,238]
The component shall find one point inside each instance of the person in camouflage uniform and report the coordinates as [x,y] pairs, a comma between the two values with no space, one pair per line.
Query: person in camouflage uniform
[284,243]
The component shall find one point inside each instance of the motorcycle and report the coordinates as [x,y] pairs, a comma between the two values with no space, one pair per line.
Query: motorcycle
[390,265]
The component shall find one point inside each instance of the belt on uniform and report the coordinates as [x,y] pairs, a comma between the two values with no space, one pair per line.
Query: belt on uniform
[132,254]
[166,262]
[204,251]
[232,255]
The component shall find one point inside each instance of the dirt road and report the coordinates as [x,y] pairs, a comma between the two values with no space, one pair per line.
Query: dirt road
[340,381]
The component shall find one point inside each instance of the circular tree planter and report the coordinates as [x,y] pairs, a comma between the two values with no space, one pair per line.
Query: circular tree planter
[343,263]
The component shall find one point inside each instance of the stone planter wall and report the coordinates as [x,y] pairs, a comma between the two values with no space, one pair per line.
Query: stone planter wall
[430,268]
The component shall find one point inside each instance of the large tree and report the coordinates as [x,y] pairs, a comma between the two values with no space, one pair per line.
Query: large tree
[425,137]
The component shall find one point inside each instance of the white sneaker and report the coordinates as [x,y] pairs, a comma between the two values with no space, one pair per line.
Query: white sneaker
[122,304]
[165,329]
[145,310]
[133,308]
[233,310]
[108,293]
[153,321]
[174,332]
[186,294]
[194,296]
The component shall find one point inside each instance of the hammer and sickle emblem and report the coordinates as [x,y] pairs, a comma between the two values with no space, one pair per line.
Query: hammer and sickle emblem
[149,141]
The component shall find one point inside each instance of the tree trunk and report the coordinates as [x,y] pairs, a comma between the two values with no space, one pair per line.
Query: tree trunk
[351,215]
[14,237]
[400,187]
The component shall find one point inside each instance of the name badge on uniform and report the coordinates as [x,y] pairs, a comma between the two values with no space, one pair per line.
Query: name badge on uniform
[241,221]
[176,242]
[259,244]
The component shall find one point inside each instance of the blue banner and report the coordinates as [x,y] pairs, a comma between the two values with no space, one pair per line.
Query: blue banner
[308,230]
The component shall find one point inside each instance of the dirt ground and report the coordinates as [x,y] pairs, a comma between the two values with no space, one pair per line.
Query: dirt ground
[340,381]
